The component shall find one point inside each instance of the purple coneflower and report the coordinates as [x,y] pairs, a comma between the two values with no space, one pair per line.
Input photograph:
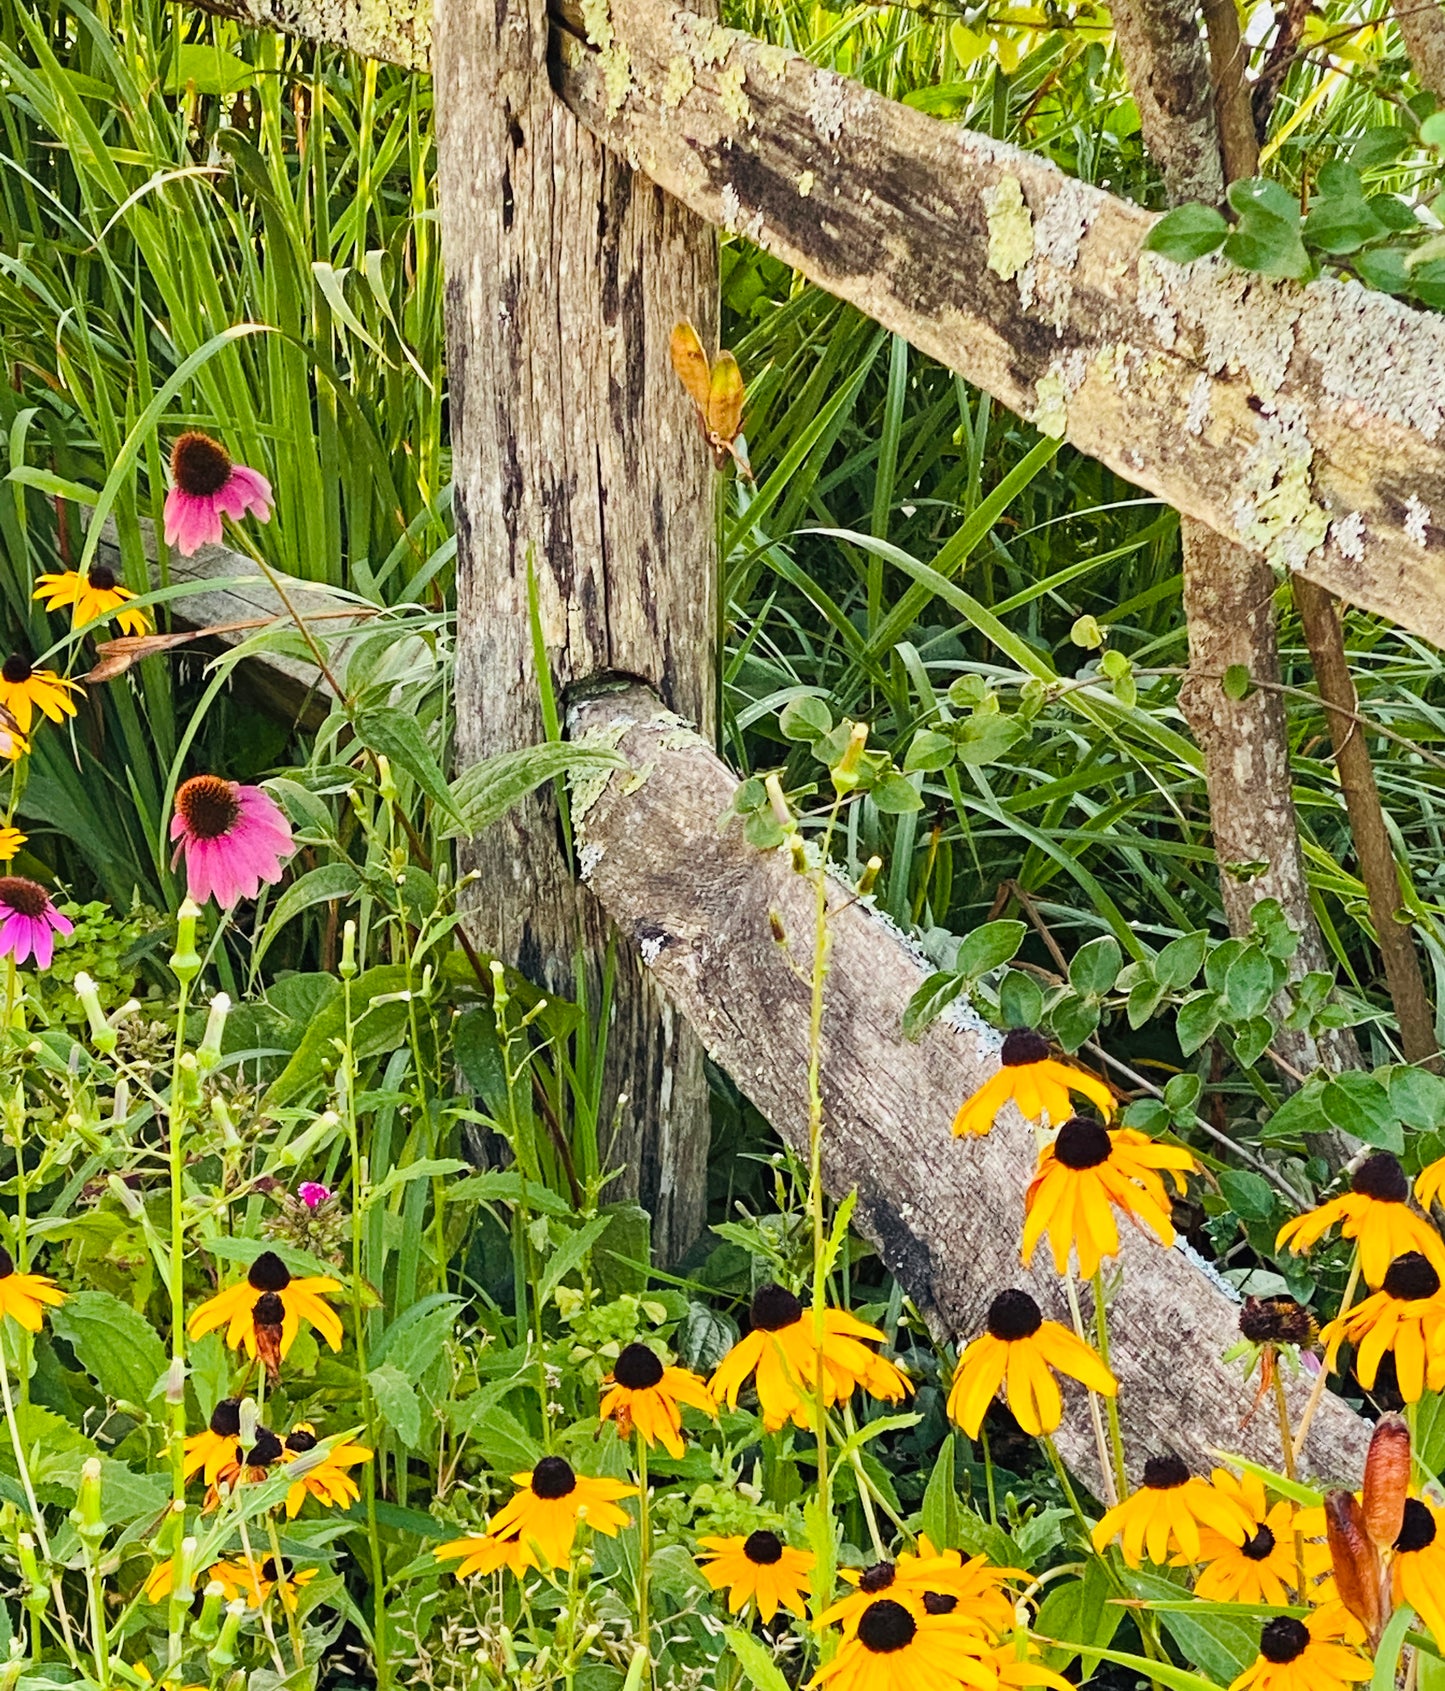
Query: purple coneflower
[29,921]
[233,838]
[313,1194]
[205,486]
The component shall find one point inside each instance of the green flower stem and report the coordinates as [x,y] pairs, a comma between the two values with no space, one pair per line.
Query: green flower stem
[1111,1404]
[644,1555]
[1317,1392]
[988,1473]
[1095,1413]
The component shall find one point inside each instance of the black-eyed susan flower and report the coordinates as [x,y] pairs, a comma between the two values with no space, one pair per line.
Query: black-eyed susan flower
[1166,1514]
[1036,1081]
[206,486]
[11,840]
[975,1591]
[247,1466]
[1017,1664]
[759,1569]
[1083,1176]
[24,1297]
[328,1478]
[211,1452]
[1417,1568]
[782,1348]
[648,1395]
[1304,1655]
[898,1645]
[263,1313]
[1264,1568]
[93,595]
[255,1581]
[1376,1213]
[24,690]
[1406,1317]
[1017,1352]
[545,1511]
[480,1554]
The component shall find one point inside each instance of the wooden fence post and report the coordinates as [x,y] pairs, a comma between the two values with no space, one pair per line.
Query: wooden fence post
[575,458]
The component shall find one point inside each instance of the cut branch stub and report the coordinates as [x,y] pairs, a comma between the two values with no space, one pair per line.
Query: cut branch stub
[946,1214]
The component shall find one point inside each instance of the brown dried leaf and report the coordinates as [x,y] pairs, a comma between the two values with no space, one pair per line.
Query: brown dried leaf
[116,656]
[1356,1561]
[690,362]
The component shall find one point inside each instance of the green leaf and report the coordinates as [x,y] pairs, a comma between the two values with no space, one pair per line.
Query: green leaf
[378,1027]
[1221,1646]
[316,886]
[208,69]
[937,992]
[1416,1096]
[1249,983]
[1020,1000]
[397,1400]
[231,1247]
[941,1506]
[1078,1611]
[1251,1040]
[928,751]
[988,947]
[1186,233]
[763,1673]
[1248,1195]
[1379,146]
[1356,1103]
[1236,681]
[506,1186]
[1387,1656]
[1385,268]
[1182,1093]
[424,1168]
[895,795]
[114,1344]
[570,1255]
[1095,967]
[489,789]
[985,738]
[415,1339]
[397,736]
[1073,1020]
[805,718]
[1341,225]
[1181,960]
[1197,1020]
[1266,239]
[496,1434]
[1298,1115]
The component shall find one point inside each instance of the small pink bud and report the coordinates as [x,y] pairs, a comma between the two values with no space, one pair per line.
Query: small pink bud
[313,1194]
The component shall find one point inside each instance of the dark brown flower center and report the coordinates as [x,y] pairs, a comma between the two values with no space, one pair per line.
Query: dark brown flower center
[1276,1321]
[877,1578]
[17,669]
[268,1273]
[101,577]
[268,1310]
[25,898]
[1380,1176]
[208,805]
[1083,1143]
[1417,1531]
[270,1568]
[1284,1639]
[638,1368]
[7,1264]
[763,1548]
[301,1439]
[886,1626]
[553,1478]
[266,1450]
[1412,1276]
[1014,1315]
[1165,1473]
[939,1602]
[226,1418]
[1022,1046]
[200,466]
[775,1307]
[1261,1547]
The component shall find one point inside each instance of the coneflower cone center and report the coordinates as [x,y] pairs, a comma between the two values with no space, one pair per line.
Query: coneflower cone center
[209,806]
[226,1418]
[775,1307]
[25,898]
[200,466]
[1412,1276]
[877,1578]
[763,1548]
[1022,1046]
[553,1478]
[1082,1143]
[886,1626]
[638,1368]
[17,669]
[939,1602]
[1283,1640]
[268,1273]
[102,578]
[1259,1548]
[1418,1529]
[1165,1473]
[1014,1315]
[1380,1176]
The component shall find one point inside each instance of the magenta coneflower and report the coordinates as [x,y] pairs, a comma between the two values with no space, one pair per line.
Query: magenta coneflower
[313,1194]
[233,838]
[206,486]
[29,921]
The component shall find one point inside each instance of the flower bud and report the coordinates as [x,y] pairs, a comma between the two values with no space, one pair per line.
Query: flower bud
[1355,1559]
[185,959]
[188,1079]
[176,1381]
[1387,1480]
[86,1517]
[845,771]
[209,1052]
[778,804]
[102,1034]
[208,1622]
[868,879]
[222,1653]
[348,951]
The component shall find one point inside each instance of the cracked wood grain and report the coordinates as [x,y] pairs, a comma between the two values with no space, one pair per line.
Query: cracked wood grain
[945,1214]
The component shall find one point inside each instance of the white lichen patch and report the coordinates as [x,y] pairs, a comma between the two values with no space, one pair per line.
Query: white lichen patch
[1010,228]
[678,83]
[1152,296]
[1377,353]
[616,65]
[730,208]
[1058,231]
[1196,414]
[772,60]
[735,102]
[1417,521]
[637,779]
[1051,407]
[1241,323]
[398,31]
[828,105]
[704,41]
[1347,535]
[1276,512]
[588,859]
[805,180]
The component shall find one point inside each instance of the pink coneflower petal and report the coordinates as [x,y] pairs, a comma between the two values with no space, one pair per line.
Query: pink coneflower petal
[29,921]
[234,839]
[206,486]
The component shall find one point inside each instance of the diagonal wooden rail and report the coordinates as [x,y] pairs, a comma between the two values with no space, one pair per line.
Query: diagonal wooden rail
[1304,422]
